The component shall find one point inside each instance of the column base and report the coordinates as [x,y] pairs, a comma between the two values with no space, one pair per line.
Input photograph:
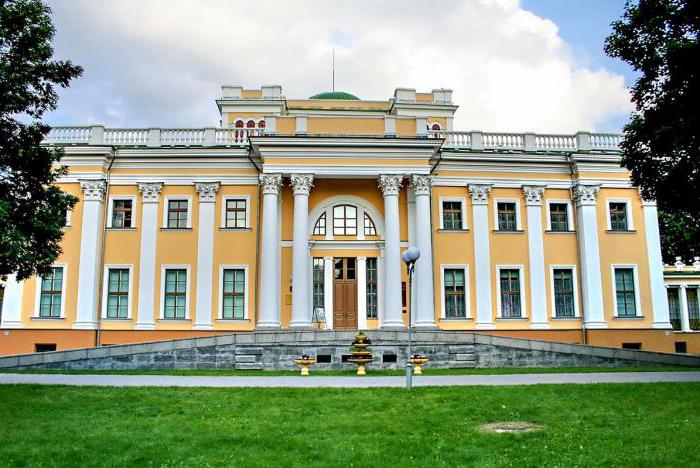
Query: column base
[539,326]
[485,326]
[11,324]
[596,325]
[662,325]
[84,325]
[145,326]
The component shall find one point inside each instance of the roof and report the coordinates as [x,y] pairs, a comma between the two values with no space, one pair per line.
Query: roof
[338,95]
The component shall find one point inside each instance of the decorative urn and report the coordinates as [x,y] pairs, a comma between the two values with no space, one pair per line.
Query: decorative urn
[418,361]
[304,362]
[360,353]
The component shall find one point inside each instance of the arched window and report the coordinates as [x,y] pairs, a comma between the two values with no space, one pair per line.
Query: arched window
[239,124]
[320,226]
[370,230]
[436,127]
[261,124]
[344,220]
[250,124]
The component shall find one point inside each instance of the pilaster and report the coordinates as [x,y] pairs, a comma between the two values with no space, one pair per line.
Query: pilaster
[538,288]
[12,303]
[390,186]
[301,303]
[659,299]
[205,253]
[150,196]
[423,283]
[269,317]
[482,255]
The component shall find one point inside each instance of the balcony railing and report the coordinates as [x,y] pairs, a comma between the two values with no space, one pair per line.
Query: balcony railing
[474,140]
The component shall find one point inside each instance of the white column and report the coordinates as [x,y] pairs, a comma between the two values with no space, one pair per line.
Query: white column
[90,246]
[538,288]
[423,282]
[482,256]
[659,299]
[390,186]
[301,303]
[685,313]
[362,293]
[592,286]
[12,303]
[269,263]
[150,194]
[328,291]
[205,254]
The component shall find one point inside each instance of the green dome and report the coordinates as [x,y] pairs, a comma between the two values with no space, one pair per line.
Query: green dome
[339,95]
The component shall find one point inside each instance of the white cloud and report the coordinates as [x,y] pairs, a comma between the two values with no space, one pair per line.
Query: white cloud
[161,63]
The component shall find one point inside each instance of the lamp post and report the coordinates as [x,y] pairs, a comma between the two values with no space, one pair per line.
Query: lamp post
[409,257]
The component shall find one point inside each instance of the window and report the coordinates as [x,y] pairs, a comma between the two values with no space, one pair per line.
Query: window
[51,295]
[320,226]
[175,294]
[563,279]
[510,293]
[2,297]
[635,346]
[236,213]
[233,301]
[177,214]
[319,291]
[618,216]
[625,292]
[452,215]
[455,293]
[344,220]
[44,347]
[693,308]
[239,124]
[674,307]
[681,347]
[370,229]
[559,216]
[122,211]
[507,216]
[117,293]
[372,303]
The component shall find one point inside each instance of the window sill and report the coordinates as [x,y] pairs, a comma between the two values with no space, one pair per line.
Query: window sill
[499,231]
[224,228]
[456,319]
[117,320]
[511,319]
[459,231]
[633,317]
[613,231]
[243,320]
[48,319]
[175,229]
[566,319]
[173,320]
[133,228]
[549,231]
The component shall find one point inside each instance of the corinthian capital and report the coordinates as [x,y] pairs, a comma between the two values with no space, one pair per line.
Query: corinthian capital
[302,183]
[207,191]
[93,190]
[390,184]
[270,183]
[533,194]
[585,194]
[479,193]
[150,191]
[421,184]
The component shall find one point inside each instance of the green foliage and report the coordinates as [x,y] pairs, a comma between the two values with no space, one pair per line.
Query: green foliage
[659,39]
[32,208]
[583,425]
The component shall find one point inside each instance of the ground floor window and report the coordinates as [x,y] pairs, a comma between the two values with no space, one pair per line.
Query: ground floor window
[118,293]
[455,293]
[233,303]
[319,291]
[674,307]
[693,308]
[510,293]
[51,294]
[625,294]
[372,303]
[563,292]
[175,294]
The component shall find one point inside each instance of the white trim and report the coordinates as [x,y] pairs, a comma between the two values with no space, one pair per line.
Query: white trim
[574,278]
[467,290]
[130,293]
[569,213]
[188,290]
[225,199]
[220,310]
[330,202]
[37,296]
[638,302]
[110,209]
[166,201]
[628,205]
[496,201]
[69,216]
[523,298]
[463,202]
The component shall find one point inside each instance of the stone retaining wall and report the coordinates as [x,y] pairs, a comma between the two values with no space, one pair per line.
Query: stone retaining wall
[277,350]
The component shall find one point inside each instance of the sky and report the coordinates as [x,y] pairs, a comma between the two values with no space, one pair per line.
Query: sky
[514,65]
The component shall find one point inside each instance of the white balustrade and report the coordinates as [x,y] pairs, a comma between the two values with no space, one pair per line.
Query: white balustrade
[606,141]
[555,142]
[126,136]
[182,136]
[503,140]
[69,135]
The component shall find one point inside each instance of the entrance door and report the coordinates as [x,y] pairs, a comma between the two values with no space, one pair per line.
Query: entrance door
[344,293]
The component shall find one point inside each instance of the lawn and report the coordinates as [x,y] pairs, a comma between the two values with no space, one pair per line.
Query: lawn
[583,425]
[370,372]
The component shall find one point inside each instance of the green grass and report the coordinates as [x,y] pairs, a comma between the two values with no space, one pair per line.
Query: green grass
[370,372]
[584,425]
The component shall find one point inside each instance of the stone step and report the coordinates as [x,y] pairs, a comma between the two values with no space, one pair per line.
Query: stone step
[462,364]
[249,366]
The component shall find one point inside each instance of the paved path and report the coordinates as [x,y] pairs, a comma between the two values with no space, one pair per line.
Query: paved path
[105,380]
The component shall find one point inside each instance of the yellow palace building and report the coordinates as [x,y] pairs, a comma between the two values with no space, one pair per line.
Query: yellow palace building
[293,213]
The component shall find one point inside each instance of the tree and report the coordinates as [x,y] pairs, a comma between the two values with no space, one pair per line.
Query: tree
[32,208]
[661,146]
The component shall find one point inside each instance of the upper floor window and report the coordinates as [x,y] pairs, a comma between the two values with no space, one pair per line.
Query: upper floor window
[370,229]
[320,226]
[344,220]
[559,217]
[452,212]
[507,216]
[250,124]
[619,216]
[118,293]
[625,292]
[239,124]
[51,295]
[122,213]
[236,213]
[178,214]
